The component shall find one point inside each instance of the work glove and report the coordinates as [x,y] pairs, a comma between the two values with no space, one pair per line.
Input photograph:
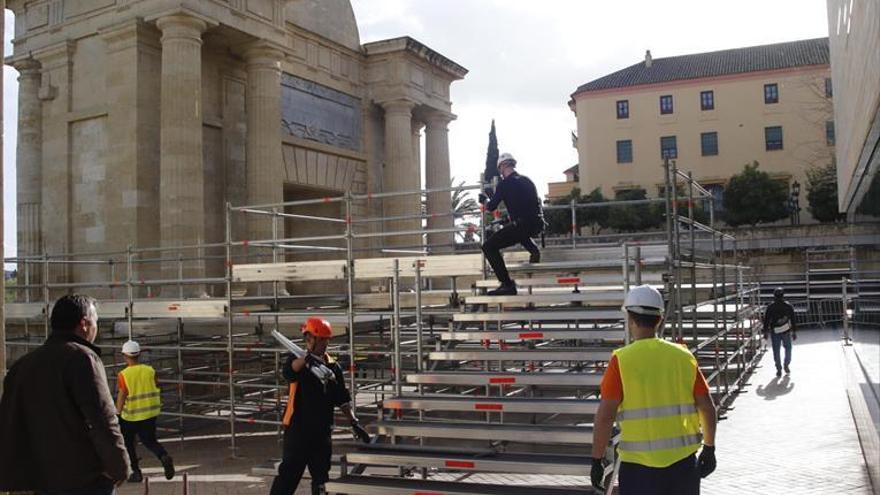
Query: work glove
[482,198]
[706,462]
[597,474]
[359,432]
[312,361]
[793,336]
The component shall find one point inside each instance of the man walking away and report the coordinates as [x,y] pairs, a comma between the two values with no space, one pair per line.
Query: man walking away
[58,426]
[139,404]
[520,197]
[779,326]
[657,392]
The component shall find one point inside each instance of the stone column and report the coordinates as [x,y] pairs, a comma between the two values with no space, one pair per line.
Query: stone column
[182,181]
[400,173]
[265,163]
[437,176]
[29,173]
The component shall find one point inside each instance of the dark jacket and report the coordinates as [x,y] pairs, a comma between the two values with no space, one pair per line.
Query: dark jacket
[520,196]
[58,422]
[777,314]
[314,402]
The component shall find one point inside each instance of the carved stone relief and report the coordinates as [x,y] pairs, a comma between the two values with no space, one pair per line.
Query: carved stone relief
[318,113]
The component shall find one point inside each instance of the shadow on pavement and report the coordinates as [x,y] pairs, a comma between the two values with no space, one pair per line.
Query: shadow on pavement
[776,387]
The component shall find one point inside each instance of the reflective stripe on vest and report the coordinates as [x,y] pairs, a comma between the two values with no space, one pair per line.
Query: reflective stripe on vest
[658,417]
[143,400]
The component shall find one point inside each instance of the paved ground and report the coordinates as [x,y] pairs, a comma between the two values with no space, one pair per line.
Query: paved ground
[793,435]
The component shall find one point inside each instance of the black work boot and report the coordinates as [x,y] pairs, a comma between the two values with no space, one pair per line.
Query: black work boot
[506,289]
[136,477]
[168,465]
[318,490]
[535,258]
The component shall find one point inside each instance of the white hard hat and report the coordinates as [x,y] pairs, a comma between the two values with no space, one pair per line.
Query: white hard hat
[644,300]
[131,348]
[506,157]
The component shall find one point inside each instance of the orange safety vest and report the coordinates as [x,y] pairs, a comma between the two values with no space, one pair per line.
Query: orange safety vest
[287,419]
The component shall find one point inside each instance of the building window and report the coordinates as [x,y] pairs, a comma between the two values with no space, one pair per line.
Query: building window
[717,191]
[668,147]
[623,109]
[771,93]
[709,143]
[773,138]
[666,104]
[829,133]
[707,100]
[829,91]
[625,151]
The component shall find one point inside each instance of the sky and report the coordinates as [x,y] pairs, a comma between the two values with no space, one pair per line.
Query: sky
[525,59]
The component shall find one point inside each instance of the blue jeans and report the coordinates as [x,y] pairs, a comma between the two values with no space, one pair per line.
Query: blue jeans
[785,340]
[102,487]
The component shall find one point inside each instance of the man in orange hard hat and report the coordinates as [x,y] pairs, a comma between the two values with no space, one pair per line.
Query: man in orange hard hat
[308,418]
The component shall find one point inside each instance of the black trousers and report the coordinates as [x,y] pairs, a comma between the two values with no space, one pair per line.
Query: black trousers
[681,478]
[519,232]
[146,431]
[301,450]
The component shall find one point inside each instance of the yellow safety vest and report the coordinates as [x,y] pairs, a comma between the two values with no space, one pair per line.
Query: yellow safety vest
[143,400]
[658,416]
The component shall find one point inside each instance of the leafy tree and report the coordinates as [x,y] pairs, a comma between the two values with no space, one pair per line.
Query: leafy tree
[559,220]
[753,197]
[822,193]
[635,218]
[463,203]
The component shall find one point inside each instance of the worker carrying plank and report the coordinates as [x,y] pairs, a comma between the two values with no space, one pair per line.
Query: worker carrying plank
[655,389]
[520,197]
[308,417]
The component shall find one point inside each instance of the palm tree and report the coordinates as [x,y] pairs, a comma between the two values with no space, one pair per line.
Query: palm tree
[462,204]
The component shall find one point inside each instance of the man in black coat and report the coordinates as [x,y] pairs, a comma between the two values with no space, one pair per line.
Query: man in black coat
[58,424]
[779,326]
[520,197]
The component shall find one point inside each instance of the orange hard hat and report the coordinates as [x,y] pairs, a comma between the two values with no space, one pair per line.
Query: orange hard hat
[319,327]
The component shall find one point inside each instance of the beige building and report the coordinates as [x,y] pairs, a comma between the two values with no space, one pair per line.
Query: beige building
[712,112]
[854,33]
[556,190]
[139,120]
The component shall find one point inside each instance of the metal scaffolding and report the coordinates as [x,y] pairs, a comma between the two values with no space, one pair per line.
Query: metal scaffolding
[430,360]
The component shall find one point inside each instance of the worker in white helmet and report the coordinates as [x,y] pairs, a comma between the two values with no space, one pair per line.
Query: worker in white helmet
[664,414]
[520,197]
[138,404]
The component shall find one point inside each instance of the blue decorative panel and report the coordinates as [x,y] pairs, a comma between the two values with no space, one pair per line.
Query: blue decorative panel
[318,113]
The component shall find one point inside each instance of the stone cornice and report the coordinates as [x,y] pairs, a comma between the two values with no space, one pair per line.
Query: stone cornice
[415,48]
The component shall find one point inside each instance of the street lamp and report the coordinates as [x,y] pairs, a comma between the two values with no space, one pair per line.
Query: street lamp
[794,203]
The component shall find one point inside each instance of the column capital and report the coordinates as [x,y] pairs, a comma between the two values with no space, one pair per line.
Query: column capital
[262,55]
[27,67]
[398,107]
[438,119]
[181,25]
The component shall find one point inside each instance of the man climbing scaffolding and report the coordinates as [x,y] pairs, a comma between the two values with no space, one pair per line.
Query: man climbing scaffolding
[520,197]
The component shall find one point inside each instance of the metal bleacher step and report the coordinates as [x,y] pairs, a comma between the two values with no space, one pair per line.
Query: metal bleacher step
[579,266]
[595,298]
[615,335]
[366,485]
[591,280]
[495,404]
[567,315]
[476,378]
[490,432]
[567,354]
[492,462]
